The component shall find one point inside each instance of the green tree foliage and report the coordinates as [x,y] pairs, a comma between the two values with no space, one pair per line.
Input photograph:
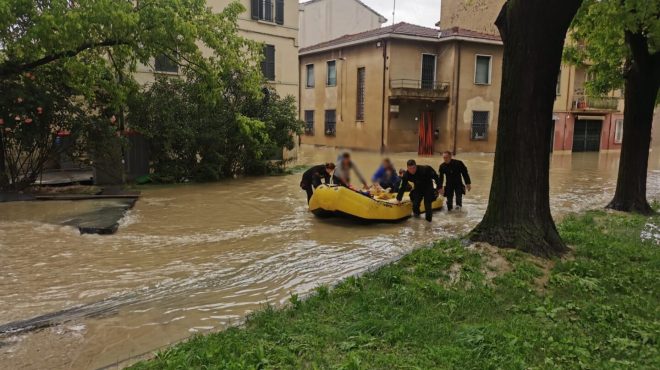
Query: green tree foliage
[598,38]
[193,135]
[91,49]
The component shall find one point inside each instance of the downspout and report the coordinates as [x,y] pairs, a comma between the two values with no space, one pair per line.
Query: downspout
[457,82]
[382,123]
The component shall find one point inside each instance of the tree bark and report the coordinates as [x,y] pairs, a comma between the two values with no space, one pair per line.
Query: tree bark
[518,214]
[642,83]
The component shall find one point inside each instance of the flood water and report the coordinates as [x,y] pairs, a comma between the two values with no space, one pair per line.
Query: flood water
[196,258]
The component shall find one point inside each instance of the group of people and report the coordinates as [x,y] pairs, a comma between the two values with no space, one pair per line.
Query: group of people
[424,184]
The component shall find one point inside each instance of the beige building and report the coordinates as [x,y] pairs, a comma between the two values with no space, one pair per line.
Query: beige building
[272,22]
[325,20]
[394,87]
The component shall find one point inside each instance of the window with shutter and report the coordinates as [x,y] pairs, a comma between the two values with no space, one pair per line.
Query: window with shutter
[618,131]
[332,73]
[268,63]
[162,63]
[309,122]
[479,125]
[310,76]
[256,6]
[482,70]
[330,122]
[361,75]
[279,11]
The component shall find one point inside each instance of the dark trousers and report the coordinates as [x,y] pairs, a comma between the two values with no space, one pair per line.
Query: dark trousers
[449,194]
[417,196]
[308,189]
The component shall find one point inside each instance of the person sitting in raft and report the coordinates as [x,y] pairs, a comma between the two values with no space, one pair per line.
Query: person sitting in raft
[311,179]
[386,176]
[343,171]
[422,178]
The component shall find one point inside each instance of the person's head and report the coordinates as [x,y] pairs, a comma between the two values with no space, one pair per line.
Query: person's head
[330,168]
[346,159]
[387,164]
[412,166]
[401,172]
[446,156]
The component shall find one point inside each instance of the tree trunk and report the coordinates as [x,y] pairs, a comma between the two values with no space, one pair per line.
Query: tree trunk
[518,214]
[642,82]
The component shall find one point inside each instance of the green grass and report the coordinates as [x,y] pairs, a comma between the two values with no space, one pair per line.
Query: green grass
[597,308]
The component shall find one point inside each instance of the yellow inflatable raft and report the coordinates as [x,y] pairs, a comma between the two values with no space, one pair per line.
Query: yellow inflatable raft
[340,201]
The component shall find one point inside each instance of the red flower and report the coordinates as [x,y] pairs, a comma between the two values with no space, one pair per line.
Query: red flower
[28,121]
[2,121]
[40,110]
[17,118]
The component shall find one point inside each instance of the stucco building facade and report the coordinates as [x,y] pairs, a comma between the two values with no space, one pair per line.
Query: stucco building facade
[380,89]
[325,20]
[271,22]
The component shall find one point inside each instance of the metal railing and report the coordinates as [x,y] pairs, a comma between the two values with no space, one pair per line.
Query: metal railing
[595,102]
[418,84]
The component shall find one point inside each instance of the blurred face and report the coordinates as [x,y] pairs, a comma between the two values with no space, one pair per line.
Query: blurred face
[346,161]
[446,157]
[329,171]
[412,170]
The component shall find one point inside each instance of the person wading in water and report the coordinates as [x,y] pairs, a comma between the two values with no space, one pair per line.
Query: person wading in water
[453,169]
[422,178]
[311,179]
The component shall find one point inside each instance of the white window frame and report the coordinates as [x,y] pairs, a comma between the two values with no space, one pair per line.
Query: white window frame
[435,68]
[490,69]
[307,85]
[618,131]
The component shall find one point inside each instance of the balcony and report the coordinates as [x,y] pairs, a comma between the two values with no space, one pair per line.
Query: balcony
[599,103]
[419,90]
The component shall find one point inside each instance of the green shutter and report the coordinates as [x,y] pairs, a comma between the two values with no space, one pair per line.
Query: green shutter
[255,9]
[279,11]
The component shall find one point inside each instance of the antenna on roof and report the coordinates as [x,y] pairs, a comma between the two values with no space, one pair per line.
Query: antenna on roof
[393,12]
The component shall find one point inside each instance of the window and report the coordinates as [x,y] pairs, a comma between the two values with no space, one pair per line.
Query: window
[428,71]
[479,125]
[618,131]
[309,122]
[361,74]
[163,63]
[310,75]
[332,73]
[268,63]
[482,70]
[330,122]
[268,10]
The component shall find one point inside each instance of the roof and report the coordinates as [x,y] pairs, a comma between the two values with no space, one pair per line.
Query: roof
[382,18]
[406,31]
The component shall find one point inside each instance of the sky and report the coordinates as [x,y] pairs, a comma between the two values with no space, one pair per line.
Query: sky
[422,12]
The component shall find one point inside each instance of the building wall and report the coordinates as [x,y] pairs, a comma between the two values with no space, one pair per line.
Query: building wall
[402,128]
[283,37]
[350,132]
[324,20]
[476,15]
[473,97]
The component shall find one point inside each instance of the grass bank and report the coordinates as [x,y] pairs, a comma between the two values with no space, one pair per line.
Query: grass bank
[453,307]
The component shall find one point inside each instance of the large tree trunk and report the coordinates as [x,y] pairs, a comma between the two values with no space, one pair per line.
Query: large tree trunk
[518,214]
[642,82]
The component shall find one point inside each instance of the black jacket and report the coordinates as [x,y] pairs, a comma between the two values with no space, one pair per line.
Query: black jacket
[423,180]
[454,170]
[314,175]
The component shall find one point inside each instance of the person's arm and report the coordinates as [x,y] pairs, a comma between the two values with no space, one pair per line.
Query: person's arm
[435,177]
[441,177]
[465,174]
[359,174]
[402,188]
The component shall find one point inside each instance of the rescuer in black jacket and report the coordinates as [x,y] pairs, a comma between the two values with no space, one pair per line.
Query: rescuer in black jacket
[422,177]
[313,177]
[456,172]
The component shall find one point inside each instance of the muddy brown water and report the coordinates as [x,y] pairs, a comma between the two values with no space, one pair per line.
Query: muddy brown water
[197,258]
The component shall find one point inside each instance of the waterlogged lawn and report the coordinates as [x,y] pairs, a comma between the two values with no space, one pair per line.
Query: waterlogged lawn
[449,307]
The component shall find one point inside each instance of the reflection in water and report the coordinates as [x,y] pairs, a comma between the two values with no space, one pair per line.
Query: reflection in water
[195,258]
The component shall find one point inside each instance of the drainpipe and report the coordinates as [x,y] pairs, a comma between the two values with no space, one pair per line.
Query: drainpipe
[382,123]
[455,88]
[568,106]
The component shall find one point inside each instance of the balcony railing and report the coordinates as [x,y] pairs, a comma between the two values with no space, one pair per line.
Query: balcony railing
[419,89]
[585,102]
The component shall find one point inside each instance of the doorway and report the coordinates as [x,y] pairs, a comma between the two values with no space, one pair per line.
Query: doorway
[586,135]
